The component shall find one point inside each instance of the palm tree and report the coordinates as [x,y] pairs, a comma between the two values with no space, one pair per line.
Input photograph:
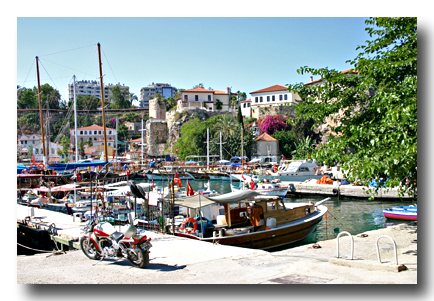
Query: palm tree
[227,125]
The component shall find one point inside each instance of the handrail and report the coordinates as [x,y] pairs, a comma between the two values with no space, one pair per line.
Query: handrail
[352,243]
[394,247]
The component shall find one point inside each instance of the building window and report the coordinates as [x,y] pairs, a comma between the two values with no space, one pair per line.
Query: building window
[85,132]
[99,132]
[209,97]
[286,96]
[248,104]
[260,99]
[81,132]
[185,97]
[256,99]
[280,97]
[244,105]
[268,98]
[272,98]
[94,132]
[110,132]
[196,98]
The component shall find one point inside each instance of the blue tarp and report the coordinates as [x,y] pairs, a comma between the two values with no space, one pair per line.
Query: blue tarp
[191,162]
[238,158]
[235,164]
[71,166]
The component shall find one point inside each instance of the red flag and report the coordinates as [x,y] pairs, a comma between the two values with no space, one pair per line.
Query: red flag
[252,184]
[153,182]
[176,150]
[78,175]
[242,177]
[189,189]
[128,173]
[34,161]
[176,175]
[113,155]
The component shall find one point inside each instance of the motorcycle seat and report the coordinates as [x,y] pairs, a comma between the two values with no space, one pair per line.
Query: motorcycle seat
[117,236]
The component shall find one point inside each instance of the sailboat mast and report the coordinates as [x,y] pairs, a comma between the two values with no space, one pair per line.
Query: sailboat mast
[40,113]
[102,104]
[75,124]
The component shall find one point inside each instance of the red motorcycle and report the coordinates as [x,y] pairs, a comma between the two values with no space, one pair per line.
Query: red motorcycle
[101,240]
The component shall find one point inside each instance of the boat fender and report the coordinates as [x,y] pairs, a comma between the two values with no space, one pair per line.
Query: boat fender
[335,191]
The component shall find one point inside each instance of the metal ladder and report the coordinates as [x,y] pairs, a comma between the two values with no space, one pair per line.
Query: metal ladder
[376,245]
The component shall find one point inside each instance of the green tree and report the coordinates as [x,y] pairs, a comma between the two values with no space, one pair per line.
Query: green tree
[218,104]
[287,142]
[303,149]
[64,142]
[374,107]
[120,99]
[26,99]
[122,132]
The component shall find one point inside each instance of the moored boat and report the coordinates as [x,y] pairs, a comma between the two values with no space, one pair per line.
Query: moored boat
[407,213]
[256,222]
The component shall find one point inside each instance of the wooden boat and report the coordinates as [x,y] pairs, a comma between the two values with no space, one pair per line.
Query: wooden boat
[407,213]
[256,222]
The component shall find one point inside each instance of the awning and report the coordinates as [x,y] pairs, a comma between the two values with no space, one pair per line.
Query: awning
[198,200]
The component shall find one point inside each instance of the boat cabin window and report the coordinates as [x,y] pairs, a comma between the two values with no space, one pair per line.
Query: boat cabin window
[275,206]
[304,168]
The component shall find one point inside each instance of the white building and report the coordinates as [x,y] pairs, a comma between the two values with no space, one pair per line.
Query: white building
[210,100]
[149,92]
[38,151]
[25,141]
[245,108]
[273,96]
[92,88]
[93,133]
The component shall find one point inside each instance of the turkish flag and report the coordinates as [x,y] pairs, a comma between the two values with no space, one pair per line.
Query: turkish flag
[242,177]
[252,184]
[153,182]
[176,175]
[189,189]
[34,161]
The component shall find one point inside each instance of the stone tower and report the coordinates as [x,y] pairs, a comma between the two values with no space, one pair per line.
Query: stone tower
[157,109]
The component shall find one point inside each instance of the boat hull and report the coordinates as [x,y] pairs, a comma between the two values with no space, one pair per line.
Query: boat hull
[272,238]
[406,213]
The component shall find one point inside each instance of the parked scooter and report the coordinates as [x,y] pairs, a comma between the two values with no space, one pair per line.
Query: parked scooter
[101,240]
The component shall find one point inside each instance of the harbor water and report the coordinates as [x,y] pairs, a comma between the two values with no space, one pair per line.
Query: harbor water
[352,215]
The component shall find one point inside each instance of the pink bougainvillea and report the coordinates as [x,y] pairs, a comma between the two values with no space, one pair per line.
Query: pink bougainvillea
[272,124]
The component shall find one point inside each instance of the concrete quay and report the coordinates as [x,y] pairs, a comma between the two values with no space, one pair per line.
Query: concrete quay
[176,260]
[311,188]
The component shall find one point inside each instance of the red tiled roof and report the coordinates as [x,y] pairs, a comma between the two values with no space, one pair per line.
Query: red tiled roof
[265,137]
[274,88]
[135,140]
[247,100]
[199,90]
[93,127]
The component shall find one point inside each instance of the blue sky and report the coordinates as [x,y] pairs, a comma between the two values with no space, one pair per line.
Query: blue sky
[245,53]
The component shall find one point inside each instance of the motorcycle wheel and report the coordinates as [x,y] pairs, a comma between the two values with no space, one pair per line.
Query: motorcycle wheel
[140,260]
[89,249]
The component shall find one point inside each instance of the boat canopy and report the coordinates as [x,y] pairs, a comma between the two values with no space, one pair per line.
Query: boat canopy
[73,165]
[198,200]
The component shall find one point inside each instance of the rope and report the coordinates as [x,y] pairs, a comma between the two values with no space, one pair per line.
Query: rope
[58,252]
[68,50]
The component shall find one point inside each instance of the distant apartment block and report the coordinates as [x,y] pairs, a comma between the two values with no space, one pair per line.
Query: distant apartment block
[149,92]
[93,88]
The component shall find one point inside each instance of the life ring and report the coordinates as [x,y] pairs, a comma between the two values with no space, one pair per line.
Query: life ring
[41,166]
[24,171]
[187,221]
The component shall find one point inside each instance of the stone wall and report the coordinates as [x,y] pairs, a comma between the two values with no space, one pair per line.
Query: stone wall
[259,112]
